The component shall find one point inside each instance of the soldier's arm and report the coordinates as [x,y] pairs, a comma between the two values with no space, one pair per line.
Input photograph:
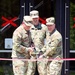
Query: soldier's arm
[52,46]
[17,44]
[43,49]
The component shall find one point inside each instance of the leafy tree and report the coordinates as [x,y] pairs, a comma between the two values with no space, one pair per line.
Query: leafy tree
[72,25]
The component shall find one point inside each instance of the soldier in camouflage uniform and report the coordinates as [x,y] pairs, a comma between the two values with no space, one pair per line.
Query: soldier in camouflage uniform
[53,48]
[21,47]
[38,34]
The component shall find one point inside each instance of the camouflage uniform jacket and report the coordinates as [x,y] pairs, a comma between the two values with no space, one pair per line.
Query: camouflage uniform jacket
[21,41]
[53,47]
[38,35]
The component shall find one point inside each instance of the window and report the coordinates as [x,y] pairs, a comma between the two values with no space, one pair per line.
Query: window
[46,8]
[9,9]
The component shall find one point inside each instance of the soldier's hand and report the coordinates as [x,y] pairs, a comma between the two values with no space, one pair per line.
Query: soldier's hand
[30,50]
[41,56]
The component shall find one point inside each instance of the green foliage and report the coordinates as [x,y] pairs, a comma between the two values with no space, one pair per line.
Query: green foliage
[72,73]
[72,22]
[1,71]
[7,68]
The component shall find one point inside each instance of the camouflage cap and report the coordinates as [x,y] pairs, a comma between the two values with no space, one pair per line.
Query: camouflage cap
[34,14]
[27,20]
[50,21]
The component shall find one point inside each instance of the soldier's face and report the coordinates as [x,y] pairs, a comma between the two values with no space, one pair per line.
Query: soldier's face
[51,27]
[35,21]
[27,27]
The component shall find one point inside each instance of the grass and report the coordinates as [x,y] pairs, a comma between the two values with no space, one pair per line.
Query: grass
[72,72]
[1,70]
[8,69]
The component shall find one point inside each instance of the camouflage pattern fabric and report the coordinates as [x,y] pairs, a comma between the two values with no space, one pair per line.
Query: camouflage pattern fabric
[21,41]
[53,49]
[20,67]
[55,67]
[38,35]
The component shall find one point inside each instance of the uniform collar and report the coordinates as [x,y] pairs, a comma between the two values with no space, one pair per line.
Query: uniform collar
[52,32]
[37,26]
[26,31]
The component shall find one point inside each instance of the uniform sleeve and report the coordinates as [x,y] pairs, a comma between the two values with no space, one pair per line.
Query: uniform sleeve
[52,46]
[43,49]
[17,43]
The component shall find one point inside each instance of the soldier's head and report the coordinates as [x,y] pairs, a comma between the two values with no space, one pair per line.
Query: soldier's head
[50,22]
[34,14]
[27,22]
